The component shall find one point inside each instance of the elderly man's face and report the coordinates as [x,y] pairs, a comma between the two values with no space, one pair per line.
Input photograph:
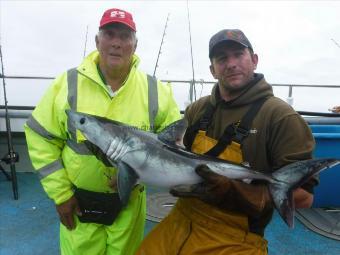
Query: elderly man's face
[116,44]
[233,66]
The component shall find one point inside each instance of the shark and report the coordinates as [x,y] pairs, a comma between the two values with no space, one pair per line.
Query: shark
[157,160]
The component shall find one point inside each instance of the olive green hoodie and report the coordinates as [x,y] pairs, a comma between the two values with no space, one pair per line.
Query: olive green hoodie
[278,135]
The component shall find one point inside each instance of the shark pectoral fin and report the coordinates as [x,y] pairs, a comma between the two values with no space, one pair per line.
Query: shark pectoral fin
[126,180]
[173,133]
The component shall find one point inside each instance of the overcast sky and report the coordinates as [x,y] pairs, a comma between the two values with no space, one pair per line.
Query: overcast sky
[298,42]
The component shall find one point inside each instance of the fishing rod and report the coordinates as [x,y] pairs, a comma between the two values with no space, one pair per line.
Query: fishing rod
[192,85]
[12,157]
[87,30]
[336,43]
[160,47]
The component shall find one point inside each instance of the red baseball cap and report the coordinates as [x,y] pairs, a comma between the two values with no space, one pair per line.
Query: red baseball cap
[117,16]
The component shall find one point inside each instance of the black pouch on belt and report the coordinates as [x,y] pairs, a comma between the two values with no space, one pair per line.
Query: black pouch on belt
[98,207]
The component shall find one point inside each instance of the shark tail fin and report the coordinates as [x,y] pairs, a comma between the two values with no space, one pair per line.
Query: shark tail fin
[293,176]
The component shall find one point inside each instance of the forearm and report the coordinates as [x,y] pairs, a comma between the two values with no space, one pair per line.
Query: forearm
[288,147]
[253,199]
[302,198]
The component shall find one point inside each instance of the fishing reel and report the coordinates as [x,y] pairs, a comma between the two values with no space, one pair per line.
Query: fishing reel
[10,158]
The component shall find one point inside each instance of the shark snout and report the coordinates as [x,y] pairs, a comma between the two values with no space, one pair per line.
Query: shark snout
[75,118]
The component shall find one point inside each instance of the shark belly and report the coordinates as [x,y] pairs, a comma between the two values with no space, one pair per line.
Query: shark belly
[162,170]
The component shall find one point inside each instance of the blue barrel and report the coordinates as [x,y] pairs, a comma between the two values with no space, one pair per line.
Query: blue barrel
[327,137]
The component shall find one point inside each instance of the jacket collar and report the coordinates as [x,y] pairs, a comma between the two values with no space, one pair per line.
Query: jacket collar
[89,67]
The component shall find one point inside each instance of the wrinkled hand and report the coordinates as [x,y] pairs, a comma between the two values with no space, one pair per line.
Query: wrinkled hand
[212,190]
[66,212]
[113,184]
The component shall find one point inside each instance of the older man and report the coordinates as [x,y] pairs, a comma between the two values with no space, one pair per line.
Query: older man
[241,121]
[108,84]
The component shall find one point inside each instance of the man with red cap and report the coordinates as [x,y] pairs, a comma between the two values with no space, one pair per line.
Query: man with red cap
[107,84]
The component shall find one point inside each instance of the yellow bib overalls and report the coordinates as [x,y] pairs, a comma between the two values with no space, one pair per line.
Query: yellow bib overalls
[194,227]
[197,228]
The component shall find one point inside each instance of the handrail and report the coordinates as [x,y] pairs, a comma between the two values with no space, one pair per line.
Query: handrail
[27,77]
[17,111]
[17,107]
[319,114]
[185,81]
[191,91]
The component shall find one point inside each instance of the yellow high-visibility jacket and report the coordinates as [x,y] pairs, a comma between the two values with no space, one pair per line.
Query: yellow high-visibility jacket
[58,154]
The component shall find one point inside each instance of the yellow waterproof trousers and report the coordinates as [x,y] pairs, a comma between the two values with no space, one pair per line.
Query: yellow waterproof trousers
[194,227]
[121,238]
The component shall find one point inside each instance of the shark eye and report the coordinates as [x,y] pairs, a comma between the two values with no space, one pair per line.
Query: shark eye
[82,121]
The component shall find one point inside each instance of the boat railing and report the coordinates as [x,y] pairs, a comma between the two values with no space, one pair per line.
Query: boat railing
[25,111]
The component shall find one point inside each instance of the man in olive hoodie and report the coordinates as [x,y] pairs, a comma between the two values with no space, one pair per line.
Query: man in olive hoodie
[243,122]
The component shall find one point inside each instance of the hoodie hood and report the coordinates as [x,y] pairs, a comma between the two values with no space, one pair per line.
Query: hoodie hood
[256,89]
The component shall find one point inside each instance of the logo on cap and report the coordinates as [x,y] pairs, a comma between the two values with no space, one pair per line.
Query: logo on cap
[118,14]
[232,34]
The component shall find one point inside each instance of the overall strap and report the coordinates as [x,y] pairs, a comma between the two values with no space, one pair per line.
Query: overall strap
[236,132]
[223,142]
[242,130]
[201,124]
[205,121]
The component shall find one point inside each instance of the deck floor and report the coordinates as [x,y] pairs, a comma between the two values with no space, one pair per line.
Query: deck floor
[30,225]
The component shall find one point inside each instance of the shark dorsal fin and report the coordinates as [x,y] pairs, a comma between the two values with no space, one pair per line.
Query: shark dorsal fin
[173,133]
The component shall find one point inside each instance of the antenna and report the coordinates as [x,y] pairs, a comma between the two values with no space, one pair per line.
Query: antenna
[192,85]
[11,156]
[160,47]
[87,30]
